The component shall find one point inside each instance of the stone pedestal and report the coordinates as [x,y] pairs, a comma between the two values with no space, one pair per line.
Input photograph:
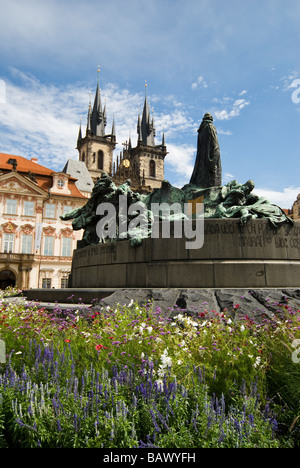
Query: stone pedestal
[232,256]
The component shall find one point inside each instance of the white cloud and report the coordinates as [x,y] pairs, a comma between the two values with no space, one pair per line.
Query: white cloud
[224,132]
[233,108]
[180,161]
[227,177]
[199,82]
[284,198]
[42,121]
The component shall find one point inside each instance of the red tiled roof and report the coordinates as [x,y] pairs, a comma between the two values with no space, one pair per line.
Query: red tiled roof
[23,165]
[42,173]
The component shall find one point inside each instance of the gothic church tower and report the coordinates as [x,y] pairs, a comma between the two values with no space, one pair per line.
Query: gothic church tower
[143,164]
[96,148]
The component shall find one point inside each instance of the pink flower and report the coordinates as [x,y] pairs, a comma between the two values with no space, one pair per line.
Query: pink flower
[100,346]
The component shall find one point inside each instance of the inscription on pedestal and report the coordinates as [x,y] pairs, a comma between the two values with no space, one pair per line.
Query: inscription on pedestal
[256,234]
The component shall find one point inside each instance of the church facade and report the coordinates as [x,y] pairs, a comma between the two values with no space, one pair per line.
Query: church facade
[143,164]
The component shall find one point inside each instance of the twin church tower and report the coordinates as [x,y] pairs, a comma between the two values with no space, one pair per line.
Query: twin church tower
[142,164]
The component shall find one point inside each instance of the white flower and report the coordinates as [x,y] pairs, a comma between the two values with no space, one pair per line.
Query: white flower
[149,330]
[165,359]
[159,384]
[257,361]
[242,328]
[229,321]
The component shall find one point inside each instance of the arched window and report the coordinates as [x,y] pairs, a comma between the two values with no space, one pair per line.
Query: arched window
[100,160]
[7,278]
[152,168]
[83,156]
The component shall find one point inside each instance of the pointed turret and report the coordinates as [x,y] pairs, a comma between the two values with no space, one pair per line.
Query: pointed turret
[89,116]
[97,117]
[113,130]
[104,116]
[79,138]
[147,129]
[139,131]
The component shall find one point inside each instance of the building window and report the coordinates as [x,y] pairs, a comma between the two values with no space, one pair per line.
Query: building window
[48,245]
[27,243]
[11,206]
[46,283]
[152,168]
[100,160]
[83,157]
[28,208]
[66,246]
[64,282]
[8,243]
[49,210]
[66,209]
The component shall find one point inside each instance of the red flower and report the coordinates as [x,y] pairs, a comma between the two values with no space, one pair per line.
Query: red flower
[67,341]
[100,346]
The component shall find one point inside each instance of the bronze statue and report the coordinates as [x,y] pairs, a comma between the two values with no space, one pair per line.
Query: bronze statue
[207,171]
[232,200]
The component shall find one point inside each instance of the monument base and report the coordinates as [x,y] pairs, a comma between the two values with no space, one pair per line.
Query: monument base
[233,256]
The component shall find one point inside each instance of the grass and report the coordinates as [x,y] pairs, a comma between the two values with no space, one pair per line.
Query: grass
[133,377]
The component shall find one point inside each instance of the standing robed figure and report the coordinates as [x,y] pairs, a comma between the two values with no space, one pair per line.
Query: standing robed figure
[207,171]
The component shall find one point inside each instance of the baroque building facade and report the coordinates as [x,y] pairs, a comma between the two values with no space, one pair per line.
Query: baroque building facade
[35,244]
[143,164]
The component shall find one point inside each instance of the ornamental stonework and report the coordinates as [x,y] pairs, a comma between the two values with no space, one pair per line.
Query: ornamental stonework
[49,231]
[9,228]
[67,232]
[27,229]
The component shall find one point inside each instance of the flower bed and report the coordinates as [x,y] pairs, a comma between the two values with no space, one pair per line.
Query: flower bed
[131,377]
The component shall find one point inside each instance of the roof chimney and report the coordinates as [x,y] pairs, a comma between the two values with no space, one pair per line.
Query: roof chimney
[34,160]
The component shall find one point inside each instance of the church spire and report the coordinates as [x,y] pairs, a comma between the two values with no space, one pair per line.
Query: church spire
[88,124]
[146,126]
[113,130]
[79,138]
[97,116]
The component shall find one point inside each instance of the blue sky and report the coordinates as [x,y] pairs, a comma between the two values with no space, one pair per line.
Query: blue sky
[237,59]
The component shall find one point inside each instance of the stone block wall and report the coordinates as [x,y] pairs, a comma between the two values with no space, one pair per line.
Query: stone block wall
[231,257]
